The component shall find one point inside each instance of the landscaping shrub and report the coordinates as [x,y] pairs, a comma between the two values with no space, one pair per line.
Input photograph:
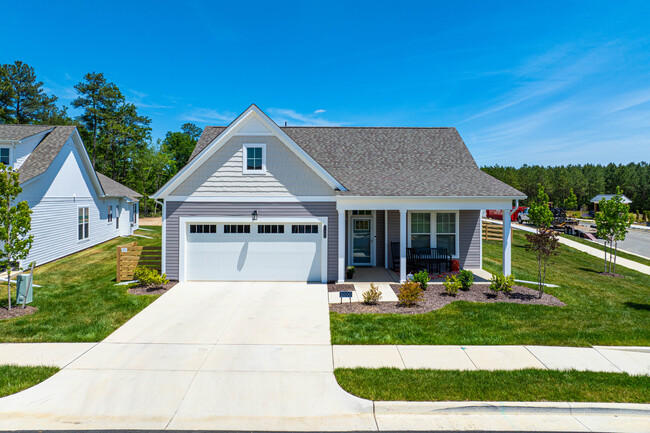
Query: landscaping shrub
[452,284]
[466,279]
[149,277]
[502,283]
[409,294]
[372,296]
[422,278]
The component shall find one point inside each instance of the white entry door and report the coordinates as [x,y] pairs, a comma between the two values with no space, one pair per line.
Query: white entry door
[253,252]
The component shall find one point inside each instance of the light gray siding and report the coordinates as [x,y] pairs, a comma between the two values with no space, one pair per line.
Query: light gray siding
[223,175]
[470,239]
[175,210]
[393,234]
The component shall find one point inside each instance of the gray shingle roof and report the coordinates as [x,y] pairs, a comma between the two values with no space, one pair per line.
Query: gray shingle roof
[600,197]
[385,161]
[115,189]
[41,158]
[19,132]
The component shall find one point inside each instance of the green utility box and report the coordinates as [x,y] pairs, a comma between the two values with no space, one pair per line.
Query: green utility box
[24,286]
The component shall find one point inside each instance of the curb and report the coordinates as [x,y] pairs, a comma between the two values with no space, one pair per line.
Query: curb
[508,408]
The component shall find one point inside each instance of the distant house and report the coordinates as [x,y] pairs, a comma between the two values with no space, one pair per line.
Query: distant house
[73,206]
[261,202]
[600,197]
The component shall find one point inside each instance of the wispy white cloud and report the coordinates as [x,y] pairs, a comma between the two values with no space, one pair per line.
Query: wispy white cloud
[137,98]
[207,115]
[292,117]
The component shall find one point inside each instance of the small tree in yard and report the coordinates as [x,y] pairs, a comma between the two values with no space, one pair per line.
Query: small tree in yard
[544,244]
[15,223]
[544,241]
[612,224]
[539,213]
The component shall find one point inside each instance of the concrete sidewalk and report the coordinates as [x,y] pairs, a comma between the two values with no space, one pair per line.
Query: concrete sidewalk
[630,264]
[615,359]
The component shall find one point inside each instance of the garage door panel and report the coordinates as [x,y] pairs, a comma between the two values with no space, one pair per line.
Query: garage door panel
[252,256]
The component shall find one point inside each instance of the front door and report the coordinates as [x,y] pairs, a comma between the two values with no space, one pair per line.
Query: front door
[362,241]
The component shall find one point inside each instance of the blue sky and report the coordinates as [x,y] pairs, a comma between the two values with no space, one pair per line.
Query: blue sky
[524,82]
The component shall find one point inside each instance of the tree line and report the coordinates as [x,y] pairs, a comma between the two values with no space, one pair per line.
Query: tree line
[116,136]
[586,180]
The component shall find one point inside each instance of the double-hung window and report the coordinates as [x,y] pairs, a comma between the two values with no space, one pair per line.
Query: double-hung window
[254,158]
[110,213]
[5,155]
[420,230]
[446,231]
[83,223]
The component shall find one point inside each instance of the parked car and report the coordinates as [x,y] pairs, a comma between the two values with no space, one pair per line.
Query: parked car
[522,217]
[497,214]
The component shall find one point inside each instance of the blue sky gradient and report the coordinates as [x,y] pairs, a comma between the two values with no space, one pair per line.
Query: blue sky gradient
[524,82]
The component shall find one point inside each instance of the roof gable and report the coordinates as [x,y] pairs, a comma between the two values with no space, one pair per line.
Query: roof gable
[251,122]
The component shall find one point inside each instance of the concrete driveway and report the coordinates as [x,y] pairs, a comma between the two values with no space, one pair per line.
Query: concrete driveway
[245,356]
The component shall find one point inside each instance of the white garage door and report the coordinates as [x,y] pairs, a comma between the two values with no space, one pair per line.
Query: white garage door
[253,252]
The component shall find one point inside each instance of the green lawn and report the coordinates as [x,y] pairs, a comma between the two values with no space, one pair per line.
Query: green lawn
[14,378]
[600,310]
[78,300]
[601,247]
[387,384]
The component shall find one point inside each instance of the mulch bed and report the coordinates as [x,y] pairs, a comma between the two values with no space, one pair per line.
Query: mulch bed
[340,287]
[16,311]
[435,298]
[152,290]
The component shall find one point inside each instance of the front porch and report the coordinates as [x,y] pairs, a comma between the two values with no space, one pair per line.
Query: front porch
[380,275]
[375,240]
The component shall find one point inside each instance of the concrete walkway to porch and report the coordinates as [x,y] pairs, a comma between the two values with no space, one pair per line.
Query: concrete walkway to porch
[614,359]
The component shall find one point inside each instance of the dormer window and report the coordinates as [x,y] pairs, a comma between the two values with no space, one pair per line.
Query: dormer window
[254,158]
[5,155]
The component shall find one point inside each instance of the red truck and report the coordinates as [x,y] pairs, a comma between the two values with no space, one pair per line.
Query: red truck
[497,214]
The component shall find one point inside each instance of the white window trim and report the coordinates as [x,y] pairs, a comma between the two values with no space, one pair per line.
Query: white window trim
[245,147]
[11,154]
[373,238]
[434,228]
[86,239]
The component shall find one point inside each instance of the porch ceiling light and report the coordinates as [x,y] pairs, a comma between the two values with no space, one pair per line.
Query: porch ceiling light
[254,215]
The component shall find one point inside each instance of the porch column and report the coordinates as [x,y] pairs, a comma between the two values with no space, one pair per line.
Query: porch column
[341,248]
[385,239]
[402,245]
[507,242]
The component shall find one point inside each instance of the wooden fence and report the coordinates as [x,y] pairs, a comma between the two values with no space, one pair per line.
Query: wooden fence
[132,255]
[492,232]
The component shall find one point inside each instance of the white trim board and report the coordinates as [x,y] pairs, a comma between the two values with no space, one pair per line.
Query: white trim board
[252,198]
[252,112]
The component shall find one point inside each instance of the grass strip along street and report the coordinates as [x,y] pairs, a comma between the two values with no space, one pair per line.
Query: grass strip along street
[15,378]
[386,384]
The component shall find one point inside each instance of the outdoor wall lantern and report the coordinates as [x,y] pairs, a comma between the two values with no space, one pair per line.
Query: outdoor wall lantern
[254,215]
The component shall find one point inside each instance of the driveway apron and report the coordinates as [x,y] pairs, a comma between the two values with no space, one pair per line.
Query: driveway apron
[245,356]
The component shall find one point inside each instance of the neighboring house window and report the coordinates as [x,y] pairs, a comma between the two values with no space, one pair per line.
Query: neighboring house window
[361,212]
[5,155]
[83,223]
[110,213]
[270,228]
[135,213]
[237,228]
[304,228]
[254,158]
[446,231]
[420,230]
[203,228]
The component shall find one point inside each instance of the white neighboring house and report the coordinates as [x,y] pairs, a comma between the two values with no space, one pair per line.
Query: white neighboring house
[73,206]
